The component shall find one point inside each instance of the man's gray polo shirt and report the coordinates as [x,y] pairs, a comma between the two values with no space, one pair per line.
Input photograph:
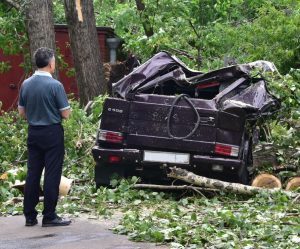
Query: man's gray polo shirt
[43,98]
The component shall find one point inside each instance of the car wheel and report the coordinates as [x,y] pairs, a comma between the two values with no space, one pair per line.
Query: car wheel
[244,176]
[105,171]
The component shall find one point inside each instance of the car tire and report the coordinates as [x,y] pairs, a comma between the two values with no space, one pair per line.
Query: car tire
[244,176]
[105,171]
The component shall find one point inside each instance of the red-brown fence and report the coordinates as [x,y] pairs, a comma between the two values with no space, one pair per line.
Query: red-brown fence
[11,80]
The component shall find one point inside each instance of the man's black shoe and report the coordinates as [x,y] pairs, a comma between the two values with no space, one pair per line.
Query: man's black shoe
[58,221]
[31,222]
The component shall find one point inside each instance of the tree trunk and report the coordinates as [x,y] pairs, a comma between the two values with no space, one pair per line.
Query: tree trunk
[85,49]
[202,181]
[39,26]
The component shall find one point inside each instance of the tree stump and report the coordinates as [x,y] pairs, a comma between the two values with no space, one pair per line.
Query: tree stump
[293,184]
[266,181]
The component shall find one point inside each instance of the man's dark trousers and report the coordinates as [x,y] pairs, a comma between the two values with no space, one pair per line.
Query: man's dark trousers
[45,149]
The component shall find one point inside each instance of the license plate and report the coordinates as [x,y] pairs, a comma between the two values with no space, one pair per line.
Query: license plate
[166,157]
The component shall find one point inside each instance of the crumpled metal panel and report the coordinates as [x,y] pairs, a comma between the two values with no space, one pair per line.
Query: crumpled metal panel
[160,63]
[255,98]
[226,89]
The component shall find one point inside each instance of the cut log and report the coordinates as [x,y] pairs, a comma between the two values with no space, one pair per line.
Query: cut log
[64,186]
[266,181]
[293,184]
[202,181]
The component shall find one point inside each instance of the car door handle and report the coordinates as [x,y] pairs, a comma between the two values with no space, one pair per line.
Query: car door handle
[207,120]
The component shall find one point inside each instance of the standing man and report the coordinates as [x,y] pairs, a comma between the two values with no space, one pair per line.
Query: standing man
[43,102]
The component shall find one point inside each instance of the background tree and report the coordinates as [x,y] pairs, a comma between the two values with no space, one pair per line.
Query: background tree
[13,37]
[85,49]
[207,31]
[39,26]
[38,20]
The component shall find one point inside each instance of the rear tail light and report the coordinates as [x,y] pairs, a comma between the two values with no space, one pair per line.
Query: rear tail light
[114,159]
[111,136]
[227,150]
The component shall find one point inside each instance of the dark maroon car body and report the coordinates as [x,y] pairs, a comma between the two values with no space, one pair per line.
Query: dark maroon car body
[164,114]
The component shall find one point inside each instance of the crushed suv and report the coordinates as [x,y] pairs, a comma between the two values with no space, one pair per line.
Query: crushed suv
[163,114]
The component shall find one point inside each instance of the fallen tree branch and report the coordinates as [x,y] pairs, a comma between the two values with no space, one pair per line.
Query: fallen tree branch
[174,187]
[205,182]
[297,198]
[88,106]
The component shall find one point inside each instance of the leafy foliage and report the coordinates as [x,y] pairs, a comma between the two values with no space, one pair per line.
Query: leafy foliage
[58,12]
[12,141]
[285,129]
[210,31]
[12,34]
[204,32]
[228,222]
[13,151]
[189,221]
[273,36]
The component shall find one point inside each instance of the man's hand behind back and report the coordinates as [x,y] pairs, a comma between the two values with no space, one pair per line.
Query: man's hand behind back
[65,113]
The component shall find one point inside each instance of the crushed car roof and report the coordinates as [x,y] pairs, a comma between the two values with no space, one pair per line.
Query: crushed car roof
[227,88]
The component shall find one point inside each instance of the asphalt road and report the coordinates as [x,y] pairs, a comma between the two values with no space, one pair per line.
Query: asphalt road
[81,234]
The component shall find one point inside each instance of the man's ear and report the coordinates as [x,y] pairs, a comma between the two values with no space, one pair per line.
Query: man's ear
[52,65]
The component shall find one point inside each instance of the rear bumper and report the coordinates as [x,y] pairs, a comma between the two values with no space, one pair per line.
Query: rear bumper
[136,156]
[132,161]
